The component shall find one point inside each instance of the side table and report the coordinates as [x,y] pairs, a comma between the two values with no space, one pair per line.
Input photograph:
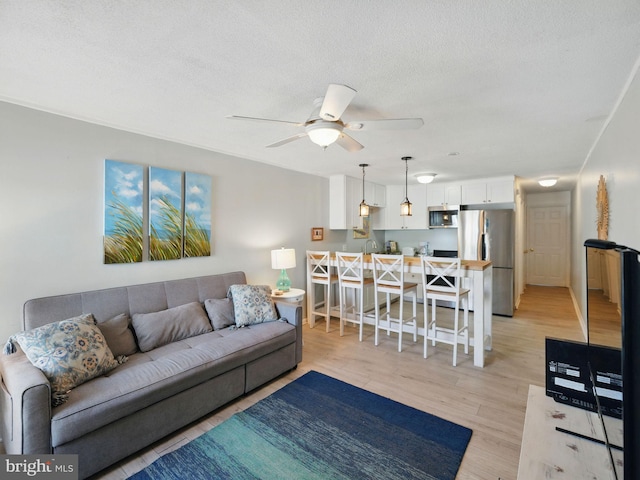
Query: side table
[294,295]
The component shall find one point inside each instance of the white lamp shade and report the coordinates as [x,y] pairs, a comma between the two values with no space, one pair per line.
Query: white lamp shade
[283,258]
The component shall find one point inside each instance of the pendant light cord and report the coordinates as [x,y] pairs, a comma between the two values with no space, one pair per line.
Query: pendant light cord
[406,174]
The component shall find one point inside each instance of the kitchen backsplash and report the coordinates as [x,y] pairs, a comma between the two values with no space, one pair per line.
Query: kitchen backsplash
[440,239]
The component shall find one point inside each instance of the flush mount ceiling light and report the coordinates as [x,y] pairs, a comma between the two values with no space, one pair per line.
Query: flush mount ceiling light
[405,206]
[364,208]
[425,177]
[548,182]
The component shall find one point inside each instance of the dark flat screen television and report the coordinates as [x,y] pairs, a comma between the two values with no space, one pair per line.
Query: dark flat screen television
[613,323]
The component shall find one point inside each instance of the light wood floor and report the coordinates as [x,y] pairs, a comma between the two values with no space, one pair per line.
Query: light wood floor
[491,401]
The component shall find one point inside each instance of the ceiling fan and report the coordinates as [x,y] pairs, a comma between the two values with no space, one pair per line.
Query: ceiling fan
[325,126]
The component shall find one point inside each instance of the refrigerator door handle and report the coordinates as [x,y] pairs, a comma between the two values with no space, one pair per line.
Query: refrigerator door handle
[483,247]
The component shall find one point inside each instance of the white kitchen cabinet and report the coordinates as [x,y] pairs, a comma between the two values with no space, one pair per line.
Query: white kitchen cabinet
[500,190]
[345,195]
[354,197]
[417,196]
[337,202]
[375,195]
[395,196]
[443,194]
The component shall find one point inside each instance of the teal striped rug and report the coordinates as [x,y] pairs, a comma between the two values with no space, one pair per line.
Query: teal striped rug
[320,428]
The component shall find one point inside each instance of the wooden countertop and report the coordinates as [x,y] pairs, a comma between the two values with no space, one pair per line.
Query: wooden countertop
[478,265]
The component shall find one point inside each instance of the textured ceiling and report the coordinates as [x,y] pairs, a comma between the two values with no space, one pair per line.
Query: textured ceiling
[515,87]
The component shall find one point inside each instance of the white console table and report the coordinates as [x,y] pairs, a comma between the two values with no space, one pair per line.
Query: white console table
[550,454]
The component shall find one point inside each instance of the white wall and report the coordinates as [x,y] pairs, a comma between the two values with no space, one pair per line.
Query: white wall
[51,210]
[616,156]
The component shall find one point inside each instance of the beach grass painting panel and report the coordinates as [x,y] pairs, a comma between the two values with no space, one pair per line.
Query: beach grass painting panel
[197,218]
[165,214]
[123,207]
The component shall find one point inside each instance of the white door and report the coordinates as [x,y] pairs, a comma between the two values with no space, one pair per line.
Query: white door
[547,253]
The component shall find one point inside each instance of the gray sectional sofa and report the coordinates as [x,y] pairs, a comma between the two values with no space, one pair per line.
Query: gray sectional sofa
[154,392]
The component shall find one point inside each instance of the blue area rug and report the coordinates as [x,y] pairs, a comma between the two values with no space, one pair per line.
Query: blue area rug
[318,427]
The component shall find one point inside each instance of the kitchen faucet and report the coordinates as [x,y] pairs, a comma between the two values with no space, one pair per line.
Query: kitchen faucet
[373,245]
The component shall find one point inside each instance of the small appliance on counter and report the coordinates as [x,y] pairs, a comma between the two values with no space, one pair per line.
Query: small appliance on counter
[424,249]
[408,251]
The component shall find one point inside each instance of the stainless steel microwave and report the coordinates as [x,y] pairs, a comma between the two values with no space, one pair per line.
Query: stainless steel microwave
[443,216]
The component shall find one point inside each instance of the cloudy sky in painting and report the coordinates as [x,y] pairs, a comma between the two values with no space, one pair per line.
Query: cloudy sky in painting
[163,183]
[198,198]
[123,182]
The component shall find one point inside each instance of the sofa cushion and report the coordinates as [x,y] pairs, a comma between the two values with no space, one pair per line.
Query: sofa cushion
[252,304]
[69,353]
[159,328]
[148,378]
[220,311]
[118,335]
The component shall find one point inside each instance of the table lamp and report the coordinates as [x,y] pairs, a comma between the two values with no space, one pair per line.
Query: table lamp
[281,260]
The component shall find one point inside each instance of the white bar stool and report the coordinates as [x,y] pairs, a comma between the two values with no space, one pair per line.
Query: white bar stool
[319,273]
[388,276]
[441,281]
[351,277]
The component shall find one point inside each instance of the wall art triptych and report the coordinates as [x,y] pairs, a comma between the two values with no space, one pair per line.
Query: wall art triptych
[177,220]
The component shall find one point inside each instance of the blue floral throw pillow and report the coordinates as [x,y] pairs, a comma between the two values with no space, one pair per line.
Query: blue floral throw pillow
[69,353]
[252,304]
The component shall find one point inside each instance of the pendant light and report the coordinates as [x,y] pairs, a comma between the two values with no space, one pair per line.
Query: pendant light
[405,206]
[364,208]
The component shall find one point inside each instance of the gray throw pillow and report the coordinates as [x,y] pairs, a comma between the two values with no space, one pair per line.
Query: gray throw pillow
[220,311]
[159,328]
[252,304]
[118,335]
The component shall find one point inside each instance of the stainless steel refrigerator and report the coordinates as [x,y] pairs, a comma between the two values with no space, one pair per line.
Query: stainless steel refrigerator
[490,235]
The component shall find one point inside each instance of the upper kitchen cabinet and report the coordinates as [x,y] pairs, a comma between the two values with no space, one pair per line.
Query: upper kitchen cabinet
[443,194]
[497,190]
[417,196]
[375,195]
[345,195]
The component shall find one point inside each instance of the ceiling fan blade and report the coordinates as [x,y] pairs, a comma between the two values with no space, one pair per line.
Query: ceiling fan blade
[268,120]
[385,124]
[288,140]
[348,143]
[336,101]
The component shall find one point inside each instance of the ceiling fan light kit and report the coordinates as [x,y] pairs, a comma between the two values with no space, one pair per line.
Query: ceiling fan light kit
[324,127]
[405,206]
[425,177]
[323,133]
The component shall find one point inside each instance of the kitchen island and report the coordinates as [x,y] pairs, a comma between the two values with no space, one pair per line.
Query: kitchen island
[480,275]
